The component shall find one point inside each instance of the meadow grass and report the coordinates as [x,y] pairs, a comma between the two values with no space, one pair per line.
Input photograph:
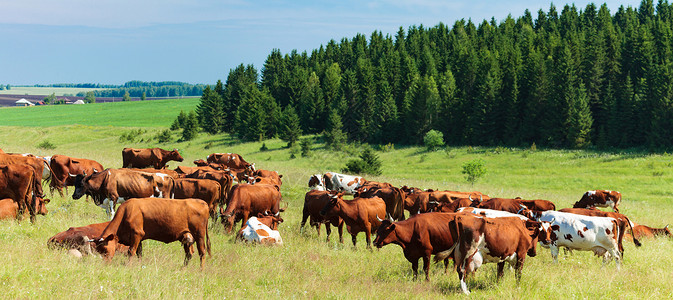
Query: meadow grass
[150,113]
[308,267]
[58,91]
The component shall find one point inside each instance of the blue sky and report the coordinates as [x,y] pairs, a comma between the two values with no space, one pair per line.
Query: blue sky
[199,41]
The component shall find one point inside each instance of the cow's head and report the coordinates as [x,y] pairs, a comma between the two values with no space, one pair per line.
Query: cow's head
[334,202]
[175,155]
[385,234]
[88,184]
[269,219]
[41,206]
[315,182]
[80,190]
[538,232]
[106,246]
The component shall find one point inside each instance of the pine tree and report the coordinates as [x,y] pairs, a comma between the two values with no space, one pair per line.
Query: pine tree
[290,129]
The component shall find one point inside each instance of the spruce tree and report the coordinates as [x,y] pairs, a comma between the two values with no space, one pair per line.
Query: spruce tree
[290,129]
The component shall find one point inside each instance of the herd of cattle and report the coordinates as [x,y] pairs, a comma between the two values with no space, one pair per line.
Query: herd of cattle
[170,205]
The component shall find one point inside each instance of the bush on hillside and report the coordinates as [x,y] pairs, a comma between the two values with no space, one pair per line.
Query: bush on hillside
[368,163]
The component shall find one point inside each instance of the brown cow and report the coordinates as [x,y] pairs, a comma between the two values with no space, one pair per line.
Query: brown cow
[231,160]
[453,206]
[268,174]
[38,165]
[392,196]
[314,201]
[164,220]
[184,171]
[204,189]
[79,238]
[111,186]
[420,236]
[65,168]
[223,178]
[265,180]
[19,183]
[622,222]
[359,214]
[599,198]
[642,231]
[514,205]
[148,157]
[203,163]
[247,200]
[500,240]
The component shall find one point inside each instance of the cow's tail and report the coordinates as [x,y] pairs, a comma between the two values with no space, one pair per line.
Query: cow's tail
[208,240]
[454,229]
[399,204]
[633,233]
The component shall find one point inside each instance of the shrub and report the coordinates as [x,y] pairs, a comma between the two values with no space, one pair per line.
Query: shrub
[433,139]
[46,145]
[294,150]
[473,170]
[264,147]
[368,163]
[305,147]
[164,136]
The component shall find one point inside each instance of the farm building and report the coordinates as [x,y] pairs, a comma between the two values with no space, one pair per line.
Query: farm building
[78,102]
[24,102]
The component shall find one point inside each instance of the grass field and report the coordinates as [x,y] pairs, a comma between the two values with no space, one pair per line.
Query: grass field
[29,90]
[308,267]
[154,113]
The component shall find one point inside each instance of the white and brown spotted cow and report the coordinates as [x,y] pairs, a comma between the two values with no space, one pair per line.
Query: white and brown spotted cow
[342,182]
[585,233]
[599,198]
[255,231]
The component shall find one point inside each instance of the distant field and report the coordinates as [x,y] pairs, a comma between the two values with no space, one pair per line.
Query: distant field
[21,90]
[306,266]
[155,113]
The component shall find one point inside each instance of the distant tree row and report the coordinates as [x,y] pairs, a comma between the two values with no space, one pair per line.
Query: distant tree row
[569,79]
[149,89]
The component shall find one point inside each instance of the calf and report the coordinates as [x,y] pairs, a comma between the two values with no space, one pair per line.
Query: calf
[164,220]
[314,201]
[359,214]
[255,231]
[419,236]
[599,198]
[585,233]
[642,231]
[498,240]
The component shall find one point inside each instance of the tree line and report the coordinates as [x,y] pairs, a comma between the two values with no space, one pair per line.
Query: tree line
[574,78]
[144,89]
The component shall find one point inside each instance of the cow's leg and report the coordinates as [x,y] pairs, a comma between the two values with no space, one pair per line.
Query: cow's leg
[519,266]
[341,233]
[328,230]
[414,267]
[139,251]
[303,221]
[355,238]
[446,265]
[554,252]
[201,246]
[426,266]
[136,239]
[501,270]
[368,234]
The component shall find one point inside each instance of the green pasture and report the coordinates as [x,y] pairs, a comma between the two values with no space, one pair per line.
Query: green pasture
[150,113]
[58,91]
[306,266]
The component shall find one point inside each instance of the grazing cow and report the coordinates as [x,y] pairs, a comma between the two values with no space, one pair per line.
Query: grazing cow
[316,182]
[514,205]
[268,174]
[419,236]
[204,189]
[79,238]
[265,180]
[168,172]
[343,183]
[622,220]
[223,178]
[642,231]
[255,231]
[247,200]
[148,157]
[314,201]
[498,240]
[599,198]
[585,233]
[231,160]
[164,220]
[369,185]
[359,214]
[203,163]
[113,186]
[392,196]
[20,183]
[65,166]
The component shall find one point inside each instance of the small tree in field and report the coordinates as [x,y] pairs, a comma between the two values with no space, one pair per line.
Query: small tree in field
[433,139]
[127,96]
[90,97]
[473,170]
